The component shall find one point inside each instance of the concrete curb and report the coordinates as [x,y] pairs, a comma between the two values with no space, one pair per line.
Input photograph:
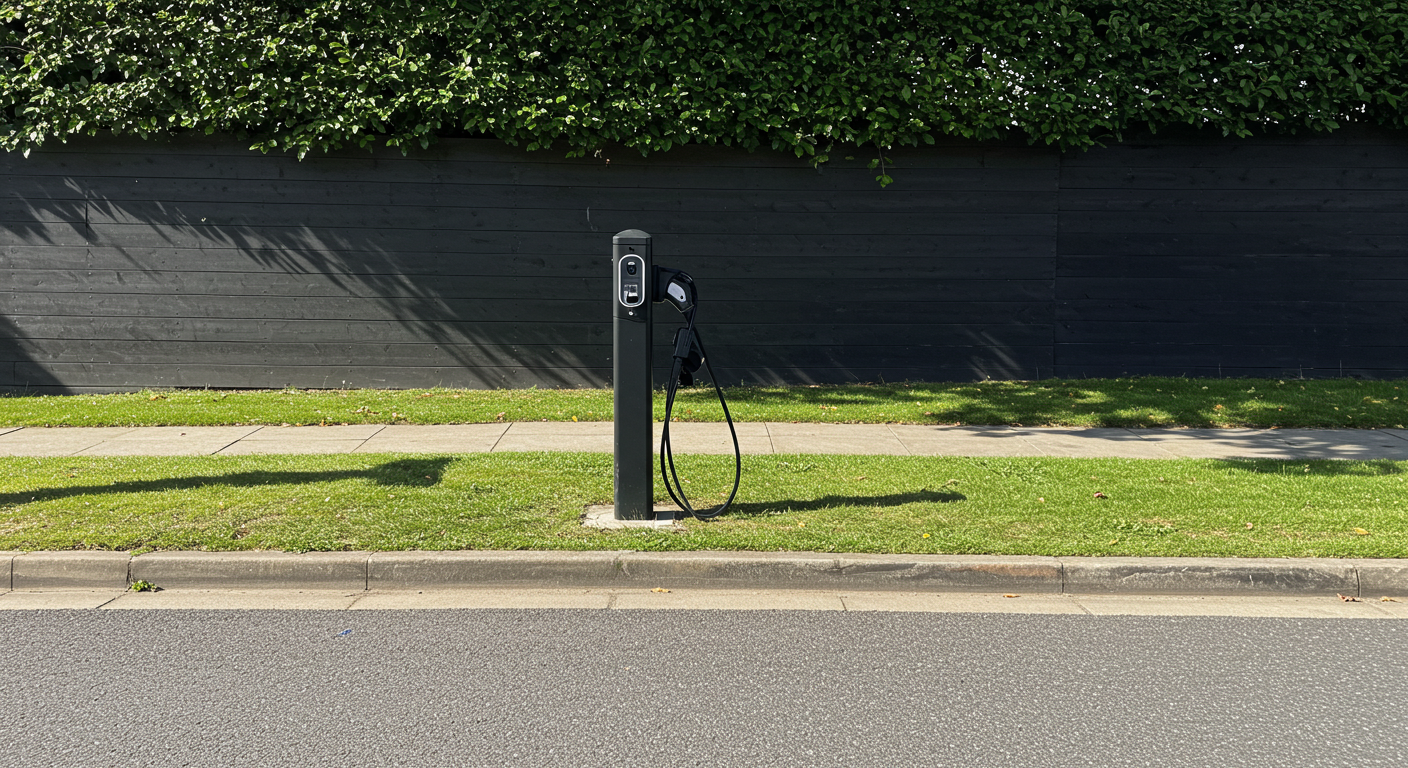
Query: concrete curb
[246,570]
[1210,576]
[359,571]
[440,570]
[1382,577]
[69,570]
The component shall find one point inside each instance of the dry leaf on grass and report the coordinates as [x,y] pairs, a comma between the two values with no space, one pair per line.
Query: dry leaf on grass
[1100,495]
[1361,531]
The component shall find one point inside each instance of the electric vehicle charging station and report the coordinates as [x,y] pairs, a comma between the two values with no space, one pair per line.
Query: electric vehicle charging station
[630,370]
[637,284]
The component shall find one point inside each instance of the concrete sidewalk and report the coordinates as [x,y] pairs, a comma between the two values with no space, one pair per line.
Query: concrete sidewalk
[753,438]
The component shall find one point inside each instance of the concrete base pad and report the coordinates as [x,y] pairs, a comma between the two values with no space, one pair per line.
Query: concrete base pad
[603,516]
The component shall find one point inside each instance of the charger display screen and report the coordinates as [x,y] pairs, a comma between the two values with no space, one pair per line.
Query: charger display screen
[631,286]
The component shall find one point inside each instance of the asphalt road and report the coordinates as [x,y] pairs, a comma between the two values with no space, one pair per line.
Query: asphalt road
[697,688]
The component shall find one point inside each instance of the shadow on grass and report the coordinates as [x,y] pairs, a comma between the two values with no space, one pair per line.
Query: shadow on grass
[754,509]
[1139,402]
[1100,402]
[1318,467]
[402,473]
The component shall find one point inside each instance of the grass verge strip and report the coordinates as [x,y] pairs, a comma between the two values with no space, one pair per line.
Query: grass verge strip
[1138,402]
[895,504]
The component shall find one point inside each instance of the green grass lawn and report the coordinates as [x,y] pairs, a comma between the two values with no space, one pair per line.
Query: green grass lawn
[1033,506]
[1141,402]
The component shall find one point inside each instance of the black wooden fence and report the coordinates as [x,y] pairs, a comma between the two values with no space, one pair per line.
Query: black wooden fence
[130,263]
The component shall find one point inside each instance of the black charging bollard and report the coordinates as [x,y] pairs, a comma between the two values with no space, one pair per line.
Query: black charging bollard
[630,368]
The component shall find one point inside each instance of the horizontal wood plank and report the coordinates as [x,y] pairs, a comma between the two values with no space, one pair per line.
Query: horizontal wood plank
[484,354]
[431,313]
[232,219]
[1329,201]
[1268,287]
[1287,175]
[1267,356]
[1230,244]
[1005,280]
[1308,314]
[156,331]
[1390,151]
[1106,369]
[1284,224]
[863,199]
[84,378]
[1029,256]
[671,242]
[1321,336]
[1278,267]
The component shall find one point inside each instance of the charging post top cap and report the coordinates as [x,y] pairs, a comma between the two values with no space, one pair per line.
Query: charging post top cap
[631,237]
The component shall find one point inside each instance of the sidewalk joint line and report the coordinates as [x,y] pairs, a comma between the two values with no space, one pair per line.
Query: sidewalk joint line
[1159,444]
[890,428]
[1027,439]
[500,438]
[366,439]
[109,601]
[356,599]
[236,440]
[1382,610]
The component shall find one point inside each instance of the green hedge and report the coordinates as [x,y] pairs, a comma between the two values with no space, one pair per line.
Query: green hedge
[799,75]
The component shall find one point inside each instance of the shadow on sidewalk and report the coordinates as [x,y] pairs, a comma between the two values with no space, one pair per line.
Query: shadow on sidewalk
[402,473]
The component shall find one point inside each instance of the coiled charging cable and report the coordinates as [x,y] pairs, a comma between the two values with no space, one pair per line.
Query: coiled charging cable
[687,342]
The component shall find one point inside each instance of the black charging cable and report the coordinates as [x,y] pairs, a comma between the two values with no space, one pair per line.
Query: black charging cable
[689,354]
